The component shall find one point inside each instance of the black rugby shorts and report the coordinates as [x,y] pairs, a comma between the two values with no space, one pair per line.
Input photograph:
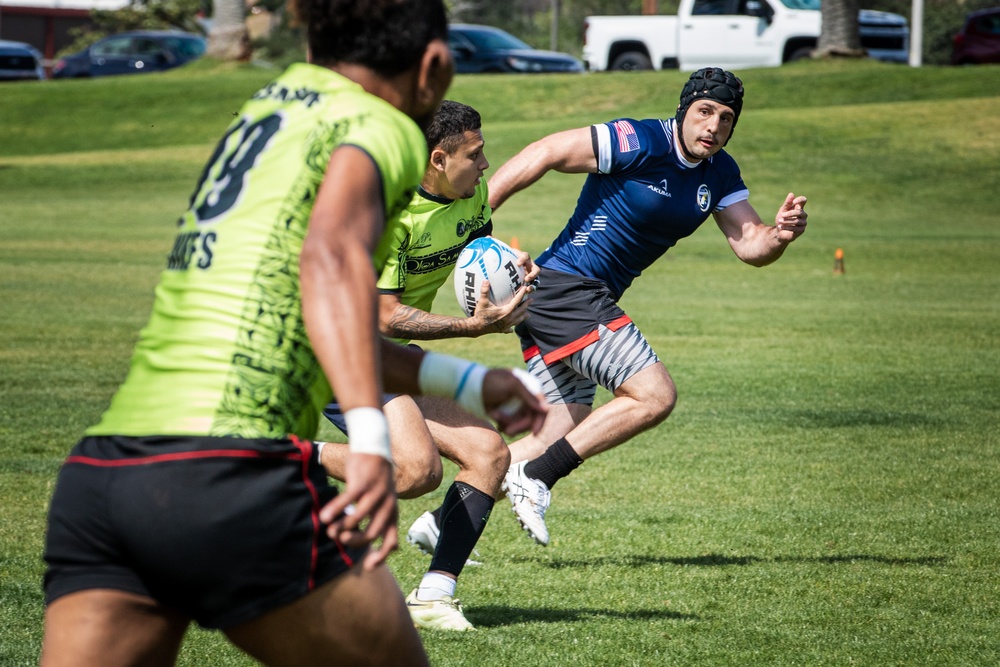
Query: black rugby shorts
[222,529]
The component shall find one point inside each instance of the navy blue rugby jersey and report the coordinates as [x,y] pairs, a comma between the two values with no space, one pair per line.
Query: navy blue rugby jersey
[644,198]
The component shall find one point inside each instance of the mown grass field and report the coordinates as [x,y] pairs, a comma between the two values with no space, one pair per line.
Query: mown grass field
[826,492]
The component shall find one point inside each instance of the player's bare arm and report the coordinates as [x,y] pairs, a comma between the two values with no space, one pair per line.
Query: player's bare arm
[398,320]
[568,152]
[338,285]
[756,243]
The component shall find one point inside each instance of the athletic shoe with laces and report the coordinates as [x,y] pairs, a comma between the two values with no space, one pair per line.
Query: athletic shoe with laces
[529,499]
[444,613]
[424,534]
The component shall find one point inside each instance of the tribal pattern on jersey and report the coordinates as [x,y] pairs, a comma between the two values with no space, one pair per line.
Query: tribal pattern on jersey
[255,385]
[225,352]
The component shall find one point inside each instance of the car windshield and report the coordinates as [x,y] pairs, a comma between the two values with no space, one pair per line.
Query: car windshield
[801,4]
[493,40]
[117,46]
[186,48]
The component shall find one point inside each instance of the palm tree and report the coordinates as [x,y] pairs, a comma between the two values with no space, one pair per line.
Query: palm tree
[839,36]
[228,39]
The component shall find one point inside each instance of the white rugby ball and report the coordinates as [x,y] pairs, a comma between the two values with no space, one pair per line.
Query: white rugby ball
[486,258]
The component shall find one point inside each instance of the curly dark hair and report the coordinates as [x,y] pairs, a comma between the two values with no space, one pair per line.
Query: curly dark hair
[389,36]
[450,123]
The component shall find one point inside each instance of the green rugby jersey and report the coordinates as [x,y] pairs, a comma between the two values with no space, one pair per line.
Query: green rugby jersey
[419,250]
[225,352]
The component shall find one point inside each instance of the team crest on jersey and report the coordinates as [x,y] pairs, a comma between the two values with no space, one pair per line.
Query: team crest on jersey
[467,226]
[704,197]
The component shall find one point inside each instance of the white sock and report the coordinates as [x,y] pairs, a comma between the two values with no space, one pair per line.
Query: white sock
[435,586]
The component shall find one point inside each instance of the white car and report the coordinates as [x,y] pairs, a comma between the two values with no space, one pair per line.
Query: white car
[20,62]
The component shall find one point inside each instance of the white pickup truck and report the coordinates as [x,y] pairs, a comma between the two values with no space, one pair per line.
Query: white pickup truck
[732,34]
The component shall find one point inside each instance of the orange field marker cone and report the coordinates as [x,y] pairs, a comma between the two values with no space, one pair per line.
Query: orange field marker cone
[514,243]
[838,261]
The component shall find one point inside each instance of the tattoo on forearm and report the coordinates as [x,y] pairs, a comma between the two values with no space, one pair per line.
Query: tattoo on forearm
[416,324]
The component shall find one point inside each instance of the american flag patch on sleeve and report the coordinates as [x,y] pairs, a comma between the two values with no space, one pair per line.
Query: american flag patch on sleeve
[628,140]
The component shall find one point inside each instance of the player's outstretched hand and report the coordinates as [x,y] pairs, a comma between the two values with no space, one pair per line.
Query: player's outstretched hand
[366,510]
[511,403]
[791,218]
[501,319]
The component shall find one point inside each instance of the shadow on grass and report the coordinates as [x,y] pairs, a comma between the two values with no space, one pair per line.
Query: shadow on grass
[493,616]
[718,560]
[861,418]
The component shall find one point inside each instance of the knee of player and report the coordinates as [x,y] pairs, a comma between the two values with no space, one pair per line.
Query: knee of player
[501,454]
[489,452]
[417,476]
[661,403]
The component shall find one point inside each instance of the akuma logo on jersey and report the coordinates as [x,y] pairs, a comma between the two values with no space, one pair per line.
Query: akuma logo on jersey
[704,197]
[661,189]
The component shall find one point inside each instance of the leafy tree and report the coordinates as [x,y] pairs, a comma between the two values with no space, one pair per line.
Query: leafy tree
[138,15]
[531,21]
[287,42]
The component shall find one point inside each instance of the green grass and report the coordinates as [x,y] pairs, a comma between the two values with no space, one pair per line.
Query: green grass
[825,492]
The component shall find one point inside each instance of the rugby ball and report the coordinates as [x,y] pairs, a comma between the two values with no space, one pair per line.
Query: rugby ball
[489,259]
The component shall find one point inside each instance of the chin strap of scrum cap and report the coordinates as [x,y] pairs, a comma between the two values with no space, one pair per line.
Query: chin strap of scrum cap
[710,83]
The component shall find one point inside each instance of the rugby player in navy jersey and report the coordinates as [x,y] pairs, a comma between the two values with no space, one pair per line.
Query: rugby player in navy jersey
[651,182]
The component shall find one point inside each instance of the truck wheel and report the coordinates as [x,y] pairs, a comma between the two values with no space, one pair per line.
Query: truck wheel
[632,61]
[801,53]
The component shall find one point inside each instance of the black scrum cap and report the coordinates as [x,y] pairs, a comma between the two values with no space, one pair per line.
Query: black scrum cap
[712,83]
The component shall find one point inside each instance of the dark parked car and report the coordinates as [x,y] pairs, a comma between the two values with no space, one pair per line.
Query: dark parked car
[20,62]
[979,39]
[132,53]
[480,48]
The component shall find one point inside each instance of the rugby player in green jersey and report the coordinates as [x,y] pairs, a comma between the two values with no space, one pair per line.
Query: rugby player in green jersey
[419,251]
[199,495]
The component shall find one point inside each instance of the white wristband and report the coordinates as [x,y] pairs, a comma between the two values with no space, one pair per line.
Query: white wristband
[454,378]
[368,432]
[319,450]
[509,407]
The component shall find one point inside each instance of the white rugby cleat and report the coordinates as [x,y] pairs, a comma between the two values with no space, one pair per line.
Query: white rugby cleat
[444,613]
[529,499]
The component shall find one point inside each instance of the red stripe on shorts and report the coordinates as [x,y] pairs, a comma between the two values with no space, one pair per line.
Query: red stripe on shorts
[583,341]
[306,448]
[180,456]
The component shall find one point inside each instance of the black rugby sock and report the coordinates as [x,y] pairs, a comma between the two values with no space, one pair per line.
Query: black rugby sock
[463,518]
[558,461]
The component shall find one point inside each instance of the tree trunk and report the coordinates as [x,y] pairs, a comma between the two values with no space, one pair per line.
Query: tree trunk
[228,38]
[839,37]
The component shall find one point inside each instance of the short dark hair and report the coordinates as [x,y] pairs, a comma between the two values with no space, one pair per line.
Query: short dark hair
[388,36]
[451,122]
